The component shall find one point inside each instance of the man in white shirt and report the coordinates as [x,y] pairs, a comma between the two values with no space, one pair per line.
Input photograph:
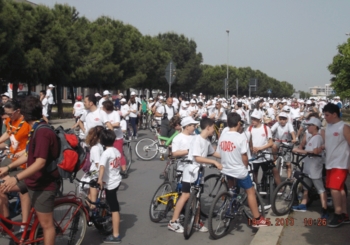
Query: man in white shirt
[45,104]
[166,112]
[94,117]
[50,101]
[105,97]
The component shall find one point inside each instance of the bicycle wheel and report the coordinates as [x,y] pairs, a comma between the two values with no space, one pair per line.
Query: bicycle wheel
[143,122]
[70,227]
[127,155]
[104,223]
[245,205]
[146,149]
[190,214]
[218,221]
[213,185]
[160,204]
[270,189]
[283,198]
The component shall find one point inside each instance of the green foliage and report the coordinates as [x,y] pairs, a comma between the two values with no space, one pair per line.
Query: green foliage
[340,69]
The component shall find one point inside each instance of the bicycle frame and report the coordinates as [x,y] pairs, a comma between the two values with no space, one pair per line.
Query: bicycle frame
[168,196]
[166,139]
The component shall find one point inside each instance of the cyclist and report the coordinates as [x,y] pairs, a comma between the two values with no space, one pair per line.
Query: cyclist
[78,108]
[110,178]
[200,148]
[337,141]
[283,132]
[260,139]
[41,184]
[232,147]
[313,166]
[219,115]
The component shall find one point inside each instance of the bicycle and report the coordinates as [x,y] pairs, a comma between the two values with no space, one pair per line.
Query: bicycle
[127,153]
[217,132]
[283,150]
[70,220]
[144,120]
[228,205]
[147,148]
[100,216]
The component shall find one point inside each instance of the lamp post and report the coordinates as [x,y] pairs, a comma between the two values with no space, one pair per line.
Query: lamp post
[228,39]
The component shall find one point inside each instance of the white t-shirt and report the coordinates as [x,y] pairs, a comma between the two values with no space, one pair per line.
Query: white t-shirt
[313,165]
[181,142]
[45,104]
[125,110]
[271,113]
[295,113]
[93,119]
[176,103]
[282,133]
[95,155]
[123,125]
[169,110]
[49,96]
[114,117]
[110,159]
[223,114]
[231,146]
[78,108]
[242,113]
[198,147]
[183,113]
[259,138]
[100,102]
[133,107]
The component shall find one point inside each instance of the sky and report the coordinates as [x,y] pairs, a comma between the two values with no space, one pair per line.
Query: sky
[290,40]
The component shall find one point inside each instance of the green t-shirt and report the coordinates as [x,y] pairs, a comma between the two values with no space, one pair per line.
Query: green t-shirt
[144,106]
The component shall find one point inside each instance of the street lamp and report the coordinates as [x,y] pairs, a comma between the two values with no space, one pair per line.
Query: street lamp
[228,38]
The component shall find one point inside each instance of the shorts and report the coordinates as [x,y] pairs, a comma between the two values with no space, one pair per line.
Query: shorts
[186,187]
[42,201]
[112,199]
[245,183]
[264,167]
[318,183]
[21,185]
[335,178]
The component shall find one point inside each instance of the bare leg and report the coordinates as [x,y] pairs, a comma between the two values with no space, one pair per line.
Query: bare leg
[46,222]
[25,205]
[115,221]
[253,205]
[337,201]
[179,205]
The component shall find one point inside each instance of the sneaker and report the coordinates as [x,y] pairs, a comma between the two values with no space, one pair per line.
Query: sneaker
[112,239]
[346,219]
[300,208]
[200,227]
[336,221]
[175,226]
[261,222]
[325,215]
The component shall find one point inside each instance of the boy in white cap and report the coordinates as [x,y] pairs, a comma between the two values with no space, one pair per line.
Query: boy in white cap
[5,97]
[50,101]
[105,97]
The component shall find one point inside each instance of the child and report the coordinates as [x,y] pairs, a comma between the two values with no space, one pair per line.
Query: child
[96,149]
[110,177]
[313,167]
[200,148]
[232,147]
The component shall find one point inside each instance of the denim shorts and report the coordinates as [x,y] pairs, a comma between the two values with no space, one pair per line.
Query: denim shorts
[245,183]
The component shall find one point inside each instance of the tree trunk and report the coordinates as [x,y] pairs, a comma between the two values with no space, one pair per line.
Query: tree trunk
[59,101]
[72,94]
[29,84]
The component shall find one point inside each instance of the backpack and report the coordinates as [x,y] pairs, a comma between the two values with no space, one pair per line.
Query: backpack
[71,156]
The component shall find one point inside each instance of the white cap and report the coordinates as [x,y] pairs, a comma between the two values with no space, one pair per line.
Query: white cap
[314,121]
[187,121]
[132,93]
[249,98]
[106,92]
[121,94]
[284,101]
[256,114]
[194,95]
[244,96]
[6,94]
[97,95]
[337,98]
[161,98]
[286,108]
[308,102]
[192,101]
[51,86]
[150,98]
[219,99]
[123,100]
[187,102]
[283,114]
[200,93]
[271,102]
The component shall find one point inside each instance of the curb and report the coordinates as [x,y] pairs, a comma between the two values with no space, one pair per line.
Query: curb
[269,235]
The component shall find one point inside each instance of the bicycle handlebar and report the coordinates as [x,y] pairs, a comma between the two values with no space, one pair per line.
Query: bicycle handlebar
[91,184]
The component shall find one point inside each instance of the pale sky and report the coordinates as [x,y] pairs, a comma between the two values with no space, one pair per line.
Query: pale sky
[290,40]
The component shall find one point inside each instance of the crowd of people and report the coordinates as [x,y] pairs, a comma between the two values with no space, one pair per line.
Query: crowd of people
[252,125]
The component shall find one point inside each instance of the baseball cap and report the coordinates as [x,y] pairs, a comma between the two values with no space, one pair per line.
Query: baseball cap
[256,114]
[192,101]
[271,102]
[187,121]
[283,114]
[123,100]
[150,98]
[6,94]
[133,93]
[308,102]
[51,86]
[314,121]
[187,102]
[286,108]
[121,94]
[161,98]
[106,92]
[97,95]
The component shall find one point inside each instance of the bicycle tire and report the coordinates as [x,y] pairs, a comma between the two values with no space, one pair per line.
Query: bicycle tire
[270,189]
[212,187]
[282,204]
[74,232]
[157,210]
[143,122]
[218,222]
[190,214]
[106,227]
[127,155]
[146,149]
